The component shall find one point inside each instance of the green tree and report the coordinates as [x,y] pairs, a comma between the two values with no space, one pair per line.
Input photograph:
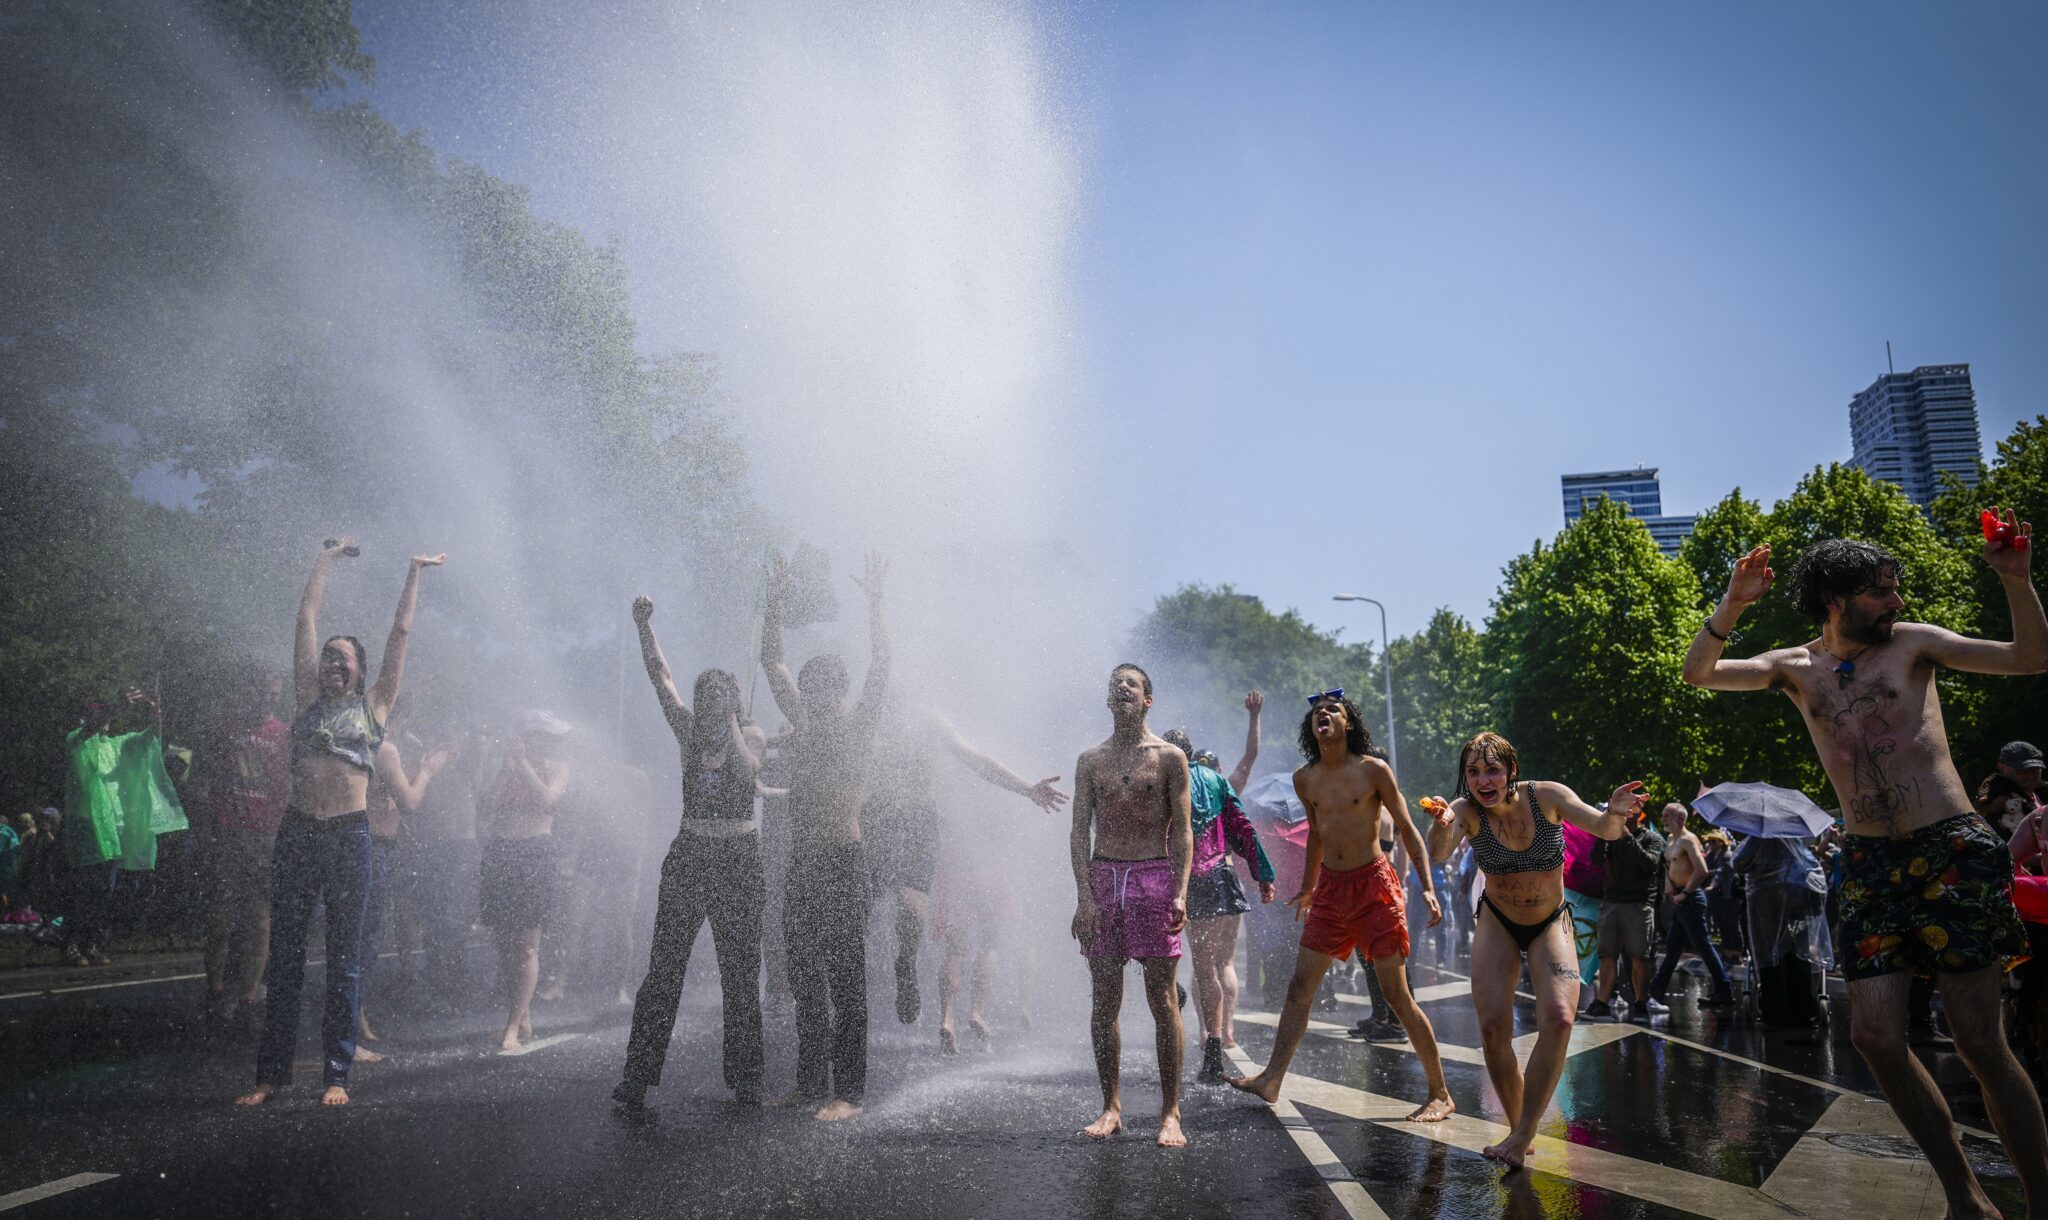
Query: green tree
[1583,655]
[1439,700]
[1205,647]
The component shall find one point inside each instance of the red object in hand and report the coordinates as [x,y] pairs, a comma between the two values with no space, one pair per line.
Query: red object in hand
[1998,530]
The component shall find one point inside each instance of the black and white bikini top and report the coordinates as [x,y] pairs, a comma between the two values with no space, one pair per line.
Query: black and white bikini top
[1544,853]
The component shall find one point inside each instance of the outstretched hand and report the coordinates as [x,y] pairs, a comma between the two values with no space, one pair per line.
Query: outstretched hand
[2009,549]
[1301,903]
[1751,578]
[1628,800]
[871,582]
[336,547]
[778,579]
[1254,702]
[430,561]
[1045,796]
[1437,808]
[643,608]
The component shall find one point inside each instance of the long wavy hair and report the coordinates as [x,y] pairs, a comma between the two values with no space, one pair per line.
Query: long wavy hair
[1356,740]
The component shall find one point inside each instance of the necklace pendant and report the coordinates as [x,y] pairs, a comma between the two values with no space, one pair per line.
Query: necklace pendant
[1847,669]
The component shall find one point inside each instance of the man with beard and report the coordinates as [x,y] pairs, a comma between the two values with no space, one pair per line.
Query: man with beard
[1927,885]
[1132,844]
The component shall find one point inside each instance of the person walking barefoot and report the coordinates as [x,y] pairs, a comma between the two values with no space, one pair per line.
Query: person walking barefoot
[1356,901]
[1517,831]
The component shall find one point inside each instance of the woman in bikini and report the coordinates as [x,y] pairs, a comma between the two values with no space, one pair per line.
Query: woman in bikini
[323,853]
[1516,828]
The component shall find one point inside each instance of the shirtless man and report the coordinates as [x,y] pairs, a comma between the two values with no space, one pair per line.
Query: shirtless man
[1927,887]
[1132,844]
[1685,884]
[825,897]
[1357,902]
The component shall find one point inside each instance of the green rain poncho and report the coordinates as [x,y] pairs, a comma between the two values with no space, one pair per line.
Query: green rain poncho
[120,800]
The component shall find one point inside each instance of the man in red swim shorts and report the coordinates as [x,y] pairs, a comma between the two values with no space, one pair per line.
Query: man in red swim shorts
[1350,896]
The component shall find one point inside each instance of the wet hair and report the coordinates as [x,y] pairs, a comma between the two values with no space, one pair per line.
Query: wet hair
[1834,569]
[362,658]
[714,684]
[1144,678]
[1357,741]
[1178,739]
[822,676]
[1487,745]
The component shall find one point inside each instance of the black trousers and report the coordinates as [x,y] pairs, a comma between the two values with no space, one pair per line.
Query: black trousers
[825,921]
[719,880]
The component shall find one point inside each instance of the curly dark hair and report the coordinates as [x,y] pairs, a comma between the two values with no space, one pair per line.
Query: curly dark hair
[1356,740]
[1178,739]
[1834,569]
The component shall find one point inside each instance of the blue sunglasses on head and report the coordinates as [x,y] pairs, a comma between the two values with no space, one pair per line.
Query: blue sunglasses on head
[1337,693]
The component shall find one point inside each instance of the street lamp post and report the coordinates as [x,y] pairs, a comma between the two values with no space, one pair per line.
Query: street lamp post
[1386,665]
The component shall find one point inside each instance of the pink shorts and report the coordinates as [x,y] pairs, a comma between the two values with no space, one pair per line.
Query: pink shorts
[1133,909]
[1360,908]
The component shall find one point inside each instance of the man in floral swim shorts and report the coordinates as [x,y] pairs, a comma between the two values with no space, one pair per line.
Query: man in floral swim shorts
[1927,886]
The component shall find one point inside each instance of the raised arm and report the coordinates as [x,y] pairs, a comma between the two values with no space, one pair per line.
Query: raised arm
[1704,664]
[1041,794]
[1622,808]
[408,791]
[392,666]
[1240,775]
[2027,651]
[781,683]
[672,708]
[306,639]
[875,687]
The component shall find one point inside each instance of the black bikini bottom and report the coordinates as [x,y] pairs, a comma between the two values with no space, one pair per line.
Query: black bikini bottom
[1525,934]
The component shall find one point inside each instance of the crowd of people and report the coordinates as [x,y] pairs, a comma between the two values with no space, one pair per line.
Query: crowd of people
[386,821]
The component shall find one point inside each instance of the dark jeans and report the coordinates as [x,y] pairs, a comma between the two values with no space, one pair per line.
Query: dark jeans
[316,862]
[719,880]
[1689,931]
[91,904]
[377,904]
[825,920]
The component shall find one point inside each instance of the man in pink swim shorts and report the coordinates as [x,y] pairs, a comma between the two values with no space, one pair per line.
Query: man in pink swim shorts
[1132,843]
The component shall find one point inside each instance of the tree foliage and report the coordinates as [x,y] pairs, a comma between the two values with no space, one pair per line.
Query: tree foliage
[1583,654]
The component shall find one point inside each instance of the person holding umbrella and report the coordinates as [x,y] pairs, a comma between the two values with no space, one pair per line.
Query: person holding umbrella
[1927,884]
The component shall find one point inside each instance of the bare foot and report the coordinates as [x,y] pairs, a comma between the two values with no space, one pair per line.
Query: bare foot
[1229,1043]
[981,1031]
[1509,1152]
[365,1055]
[1111,1122]
[334,1096]
[256,1097]
[526,1028]
[948,1044]
[1170,1134]
[1265,1090]
[363,1033]
[837,1112]
[510,1042]
[1435,1110]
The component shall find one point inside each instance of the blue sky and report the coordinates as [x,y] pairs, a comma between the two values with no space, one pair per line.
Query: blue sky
[1354,284]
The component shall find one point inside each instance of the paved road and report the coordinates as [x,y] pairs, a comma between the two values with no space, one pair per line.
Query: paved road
[1698,1116]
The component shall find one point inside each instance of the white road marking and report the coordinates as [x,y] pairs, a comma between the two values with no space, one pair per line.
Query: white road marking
[22,1198]
[1350,1193]
[40,992]
[1819,1177]
[1676,1188]
[539,1044]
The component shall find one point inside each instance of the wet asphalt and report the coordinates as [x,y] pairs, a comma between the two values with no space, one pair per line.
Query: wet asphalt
[124,1080]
